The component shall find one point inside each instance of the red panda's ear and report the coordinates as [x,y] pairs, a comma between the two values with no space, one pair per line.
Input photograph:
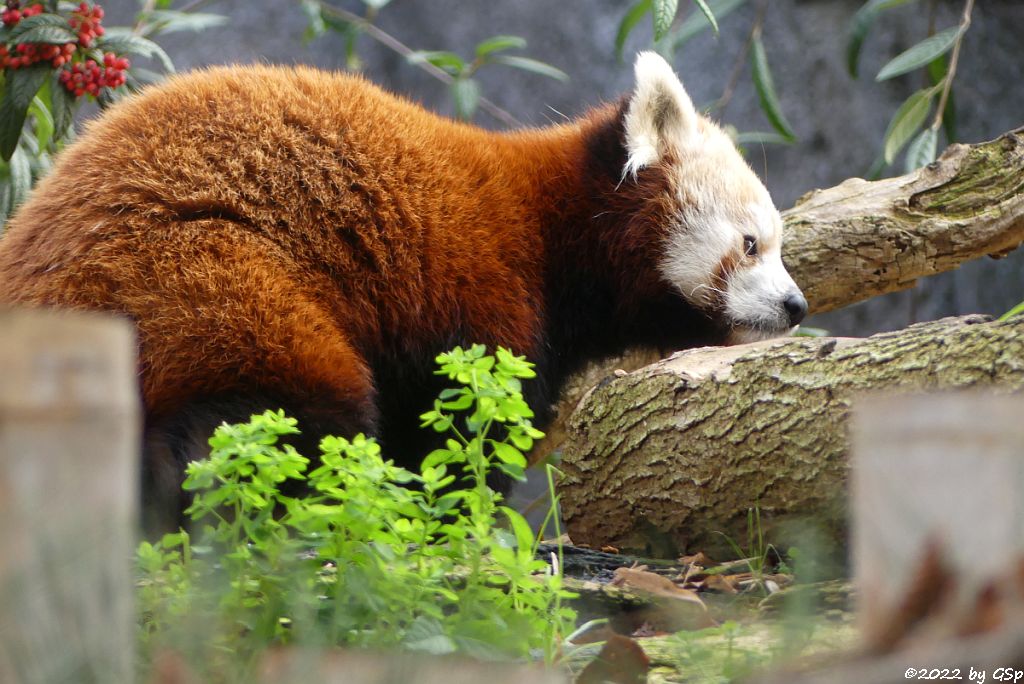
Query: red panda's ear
[660,115]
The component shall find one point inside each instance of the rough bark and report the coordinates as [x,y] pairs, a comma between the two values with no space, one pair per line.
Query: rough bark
[682,448]
[861,239]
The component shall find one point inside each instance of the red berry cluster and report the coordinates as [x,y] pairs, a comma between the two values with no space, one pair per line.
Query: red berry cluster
[79,78]
[30,53]
[86,78]
[12,14]
[86,20]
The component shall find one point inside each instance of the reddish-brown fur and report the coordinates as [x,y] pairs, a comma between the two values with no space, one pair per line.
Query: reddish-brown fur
[308,239]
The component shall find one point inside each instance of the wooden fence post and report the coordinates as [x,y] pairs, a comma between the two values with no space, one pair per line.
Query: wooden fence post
[938,508]
[69,449]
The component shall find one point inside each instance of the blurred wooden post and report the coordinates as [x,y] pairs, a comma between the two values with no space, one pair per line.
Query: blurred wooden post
[69,443]
[944,472]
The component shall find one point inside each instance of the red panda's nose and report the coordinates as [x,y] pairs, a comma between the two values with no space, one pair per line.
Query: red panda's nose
[796,307]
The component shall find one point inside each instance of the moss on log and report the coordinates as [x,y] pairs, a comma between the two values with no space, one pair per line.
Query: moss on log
[861,239]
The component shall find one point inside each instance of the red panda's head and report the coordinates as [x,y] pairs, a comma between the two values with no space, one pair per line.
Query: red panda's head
[720,244]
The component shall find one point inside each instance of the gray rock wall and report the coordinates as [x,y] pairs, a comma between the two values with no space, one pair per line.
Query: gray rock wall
[840,122]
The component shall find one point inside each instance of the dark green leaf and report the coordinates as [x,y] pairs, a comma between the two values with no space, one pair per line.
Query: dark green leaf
[698,21]
[62,105]
[466,93]
[15,182]
[30,24]
[922,150]
[128,44]
[49,35]
[919,55]
[860,26]
[766,90]
[21,87]
[628,23]
[907,122]
[664,15]
[532,65]
[498,44]
[703,6]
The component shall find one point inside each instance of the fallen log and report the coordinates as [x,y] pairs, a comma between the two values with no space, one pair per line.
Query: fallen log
[679,450]
[861,239]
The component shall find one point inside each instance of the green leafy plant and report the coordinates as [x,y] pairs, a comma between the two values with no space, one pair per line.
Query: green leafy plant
[909,127]
[56,55]
[465,89]
[372,554]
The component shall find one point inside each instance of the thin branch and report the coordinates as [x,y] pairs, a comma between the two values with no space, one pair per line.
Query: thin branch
[392,43]
[194,5]
[146,8]
[737,68]
[965,23]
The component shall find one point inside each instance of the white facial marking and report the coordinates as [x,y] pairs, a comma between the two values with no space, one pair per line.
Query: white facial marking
[756,294]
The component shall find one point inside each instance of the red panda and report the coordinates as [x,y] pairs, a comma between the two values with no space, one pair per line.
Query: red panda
[289,238]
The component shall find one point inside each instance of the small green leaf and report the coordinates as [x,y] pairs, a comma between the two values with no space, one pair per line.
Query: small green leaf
[628,23]
[532,65]
[906,122]
[509,454]
[861,24]
[442,59]
[21,87]
[376,4]
[766,90]
[922,150]
[498,44]
[466,93]
[664,15]
[919,55]
[703,6]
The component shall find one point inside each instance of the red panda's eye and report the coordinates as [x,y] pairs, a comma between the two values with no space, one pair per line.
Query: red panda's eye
[750,245]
